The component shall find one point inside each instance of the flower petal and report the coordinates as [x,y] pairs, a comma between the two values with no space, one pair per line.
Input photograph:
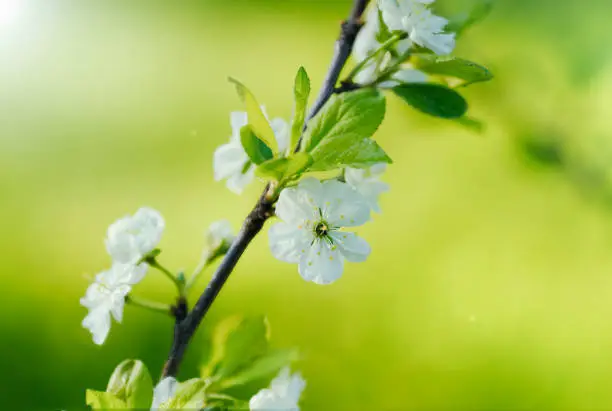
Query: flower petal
[343,206]
[289,242]
[229,160]
[294,206]
[320,264]
[164,391]
[238,119]
[281,132]
[352,247]
[237,182]
[98,323]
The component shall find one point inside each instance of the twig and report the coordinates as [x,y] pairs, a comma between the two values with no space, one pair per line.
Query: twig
[187,323]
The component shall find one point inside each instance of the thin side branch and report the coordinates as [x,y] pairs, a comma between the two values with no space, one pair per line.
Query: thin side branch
[187,323]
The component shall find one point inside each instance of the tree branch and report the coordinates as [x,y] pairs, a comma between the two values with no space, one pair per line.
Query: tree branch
[187,323]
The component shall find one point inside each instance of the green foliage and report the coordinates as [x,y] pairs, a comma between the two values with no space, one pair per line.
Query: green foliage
[105,401]
[257,120]
[130,386]
[384,33]
[285,168]
[301,91]
[339,135]
[256,149]
[458,24]
[434,99]
[189,395]
[241,354]
[465,71]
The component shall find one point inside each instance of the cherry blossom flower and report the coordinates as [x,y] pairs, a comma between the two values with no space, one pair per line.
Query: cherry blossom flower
[312,215]
[367,183]
[284,393]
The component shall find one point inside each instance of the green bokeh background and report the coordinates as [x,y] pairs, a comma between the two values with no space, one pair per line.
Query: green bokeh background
[490,283]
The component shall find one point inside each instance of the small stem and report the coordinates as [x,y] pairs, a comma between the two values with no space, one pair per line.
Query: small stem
[155,264]
[149,305]
[383,48]
[206,260]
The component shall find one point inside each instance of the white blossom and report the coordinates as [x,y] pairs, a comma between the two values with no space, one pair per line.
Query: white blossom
[231,162]
[283,394]
[366,44]
[106,297]
[131,238]
[367,183]
[163,392]
[219,233]
[423,27]
[312,215]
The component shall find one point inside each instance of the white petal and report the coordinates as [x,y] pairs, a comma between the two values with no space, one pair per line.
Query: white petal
[238,119]
[118,301]
[229,160]
[281,132]
[164,391]
[289,242]
[237,182]
[353,248]
[98,323]
[320,264]
[218,233]
[294,206]
[288,385]
[343,206]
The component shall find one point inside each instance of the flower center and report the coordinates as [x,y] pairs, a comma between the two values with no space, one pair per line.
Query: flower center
[321,229]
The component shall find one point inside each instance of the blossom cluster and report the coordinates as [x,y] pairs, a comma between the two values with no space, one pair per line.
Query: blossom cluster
[129,242]
[283,394]
[422,28]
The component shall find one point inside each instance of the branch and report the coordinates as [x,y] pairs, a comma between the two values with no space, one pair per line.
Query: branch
[187,323]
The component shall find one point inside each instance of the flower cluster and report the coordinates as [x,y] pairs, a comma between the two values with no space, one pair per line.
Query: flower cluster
[422,28]
[283,394]
[128,241]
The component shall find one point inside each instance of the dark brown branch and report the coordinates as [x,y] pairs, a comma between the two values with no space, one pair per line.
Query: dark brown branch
[187,323]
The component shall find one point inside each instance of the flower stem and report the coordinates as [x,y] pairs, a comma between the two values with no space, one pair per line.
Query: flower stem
[155,264]
[383,48]
[149,305]
[204,263]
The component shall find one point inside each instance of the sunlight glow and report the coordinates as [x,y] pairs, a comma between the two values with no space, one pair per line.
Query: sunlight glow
[9,11]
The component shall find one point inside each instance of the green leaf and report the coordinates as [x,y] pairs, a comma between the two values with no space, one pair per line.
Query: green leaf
[348,150]
[264,367]
[256,149]
[434,99]
[105,401]
[236,343]
[131,383]
[358,113]
[257,120]
[284,168]
[463,21]
[301,91]
[384,33]
[445,66]
[190,395]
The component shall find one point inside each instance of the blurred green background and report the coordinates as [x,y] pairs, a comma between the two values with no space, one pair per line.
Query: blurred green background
[490,284]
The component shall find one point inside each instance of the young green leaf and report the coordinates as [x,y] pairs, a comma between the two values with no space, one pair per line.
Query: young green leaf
[104,401]
[433,99]
[284,168]
[236,342]
[189,395]
[358,113]
[260,125]
[384,33]
[464,70]
[348,150]
[301,91]
[463,21]
[265,366]
[132,383]
[255,148]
